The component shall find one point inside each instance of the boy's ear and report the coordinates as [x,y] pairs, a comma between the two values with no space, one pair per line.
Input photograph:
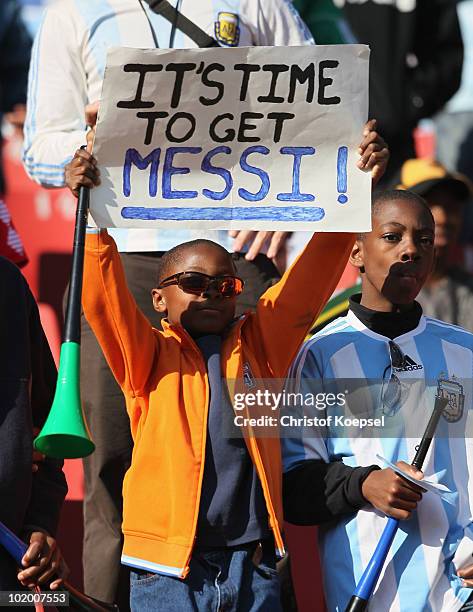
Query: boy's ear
[159,302]
[356,255]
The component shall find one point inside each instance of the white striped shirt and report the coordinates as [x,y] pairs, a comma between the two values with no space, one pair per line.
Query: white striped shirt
[67,69]
[420,571]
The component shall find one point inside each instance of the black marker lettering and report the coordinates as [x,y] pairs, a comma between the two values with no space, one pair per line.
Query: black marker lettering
[142,69]
[171,137]
[244,127]
[247,69]
[326,82]
[180,70]
[276,70]
[152,117]
[279,119]
[210,83]
[229,132]
[301,76]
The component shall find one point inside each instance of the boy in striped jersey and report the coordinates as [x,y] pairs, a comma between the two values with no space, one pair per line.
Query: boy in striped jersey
[385,337]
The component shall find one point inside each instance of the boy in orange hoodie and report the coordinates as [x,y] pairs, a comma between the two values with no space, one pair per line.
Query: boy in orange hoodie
[202,510]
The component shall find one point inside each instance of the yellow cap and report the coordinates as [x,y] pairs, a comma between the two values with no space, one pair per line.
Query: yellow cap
[421,175]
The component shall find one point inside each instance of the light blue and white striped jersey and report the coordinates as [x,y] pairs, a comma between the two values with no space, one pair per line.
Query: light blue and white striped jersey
[420,571]
[68,64]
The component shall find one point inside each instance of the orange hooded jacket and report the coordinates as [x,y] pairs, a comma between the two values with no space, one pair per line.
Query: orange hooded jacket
[164,379]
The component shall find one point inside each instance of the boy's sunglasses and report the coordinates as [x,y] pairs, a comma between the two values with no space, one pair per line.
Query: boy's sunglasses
[198,283]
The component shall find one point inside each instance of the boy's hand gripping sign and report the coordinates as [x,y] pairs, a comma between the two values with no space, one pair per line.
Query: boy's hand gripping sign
[247,138]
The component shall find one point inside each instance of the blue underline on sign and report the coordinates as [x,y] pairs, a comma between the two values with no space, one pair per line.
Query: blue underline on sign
[243,213]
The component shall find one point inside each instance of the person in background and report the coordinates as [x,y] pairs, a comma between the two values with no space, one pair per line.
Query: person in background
[67,69]
[15,49]
[454,127]
[416,63]
[454,124]
[448,292]
[31,499]
[326,22]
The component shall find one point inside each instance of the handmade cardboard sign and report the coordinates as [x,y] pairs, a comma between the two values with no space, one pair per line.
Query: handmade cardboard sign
[244,138]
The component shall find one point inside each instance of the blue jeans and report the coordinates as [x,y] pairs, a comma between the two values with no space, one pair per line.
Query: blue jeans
[242,579]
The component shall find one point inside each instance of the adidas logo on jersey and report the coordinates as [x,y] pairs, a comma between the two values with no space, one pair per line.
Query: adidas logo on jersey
[409,365]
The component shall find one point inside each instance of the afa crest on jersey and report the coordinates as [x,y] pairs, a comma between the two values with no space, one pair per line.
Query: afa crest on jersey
[227,29]
[453,392]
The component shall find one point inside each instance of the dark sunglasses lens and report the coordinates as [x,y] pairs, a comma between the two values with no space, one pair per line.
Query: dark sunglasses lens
[194,283]
[230,286]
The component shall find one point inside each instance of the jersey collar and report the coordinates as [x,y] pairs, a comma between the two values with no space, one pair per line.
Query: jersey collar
[353,320]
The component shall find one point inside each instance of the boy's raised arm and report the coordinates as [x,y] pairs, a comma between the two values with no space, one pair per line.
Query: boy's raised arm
[123,332]
[125,335]
[287,310]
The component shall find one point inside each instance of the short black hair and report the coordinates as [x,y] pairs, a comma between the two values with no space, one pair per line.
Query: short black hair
[381,198]
[397,194]
[174,256]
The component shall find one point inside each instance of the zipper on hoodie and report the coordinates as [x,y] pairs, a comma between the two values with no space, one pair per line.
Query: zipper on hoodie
[258,463]
[196,349]
[260,472]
